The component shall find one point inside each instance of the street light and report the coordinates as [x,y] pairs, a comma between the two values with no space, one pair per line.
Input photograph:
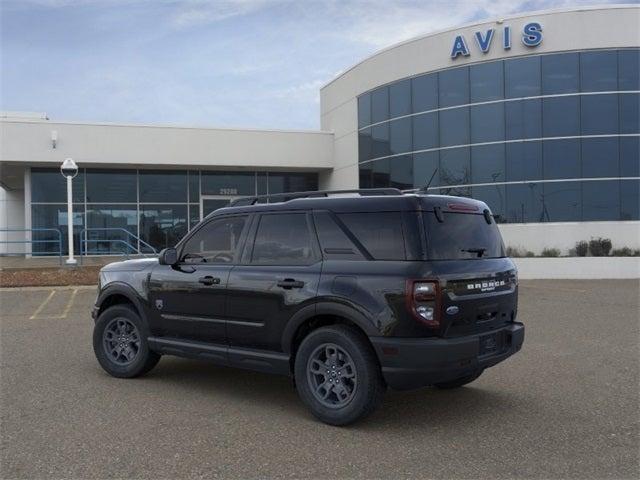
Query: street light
[69,169]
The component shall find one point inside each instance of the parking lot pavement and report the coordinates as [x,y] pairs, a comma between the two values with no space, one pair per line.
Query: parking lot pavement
[566,406]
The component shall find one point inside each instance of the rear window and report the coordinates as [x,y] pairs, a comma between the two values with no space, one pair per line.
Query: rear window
[462,236]
[379,233]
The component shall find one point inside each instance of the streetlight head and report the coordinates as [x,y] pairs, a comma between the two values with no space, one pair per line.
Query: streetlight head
[69,169]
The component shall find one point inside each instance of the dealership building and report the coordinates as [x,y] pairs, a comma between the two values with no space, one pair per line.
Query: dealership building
[536,114]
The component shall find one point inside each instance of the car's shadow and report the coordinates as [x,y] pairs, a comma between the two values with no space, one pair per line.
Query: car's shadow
[274,393]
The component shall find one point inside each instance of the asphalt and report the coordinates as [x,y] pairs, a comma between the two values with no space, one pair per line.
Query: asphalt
[567,406]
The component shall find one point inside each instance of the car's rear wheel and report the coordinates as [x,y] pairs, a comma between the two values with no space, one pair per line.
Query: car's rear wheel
[337,375]
[120,343]
[459,382]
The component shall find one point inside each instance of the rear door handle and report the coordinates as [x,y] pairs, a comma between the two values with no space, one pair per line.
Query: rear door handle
[289,283]
[209,280]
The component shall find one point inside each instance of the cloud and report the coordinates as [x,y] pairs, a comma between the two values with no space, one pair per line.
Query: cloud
[191,13]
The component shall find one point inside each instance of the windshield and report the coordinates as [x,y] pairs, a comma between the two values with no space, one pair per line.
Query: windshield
[462,236]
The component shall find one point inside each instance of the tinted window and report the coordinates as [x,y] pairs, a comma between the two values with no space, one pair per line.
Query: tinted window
[630,156]
[364,145]
[629,113]
[599,114]
[487,82]
[164,186]
[523,119]
[424,166]
[380,173]
[401,172]
[364,110]
[48,185]
[561,159]
[459,233]
[560,73]
[400,98]
[523,161]
[561,116]
[228,183]
[364,174]
[283,240]
[630,200]
[562,202]
[400,135]
[524,203]
[333,240]
[454,127]
[53,216]
[163,226]
[194,186]
[487,123]
[487,164]
[454,87]
[215,242]
[111,186]
[601,200]
[455,167]
[119,219]
[292,182]
[379,233]
[598,71]
[380,105]
[494,197]
[425,131]
[522,77]
[424,92]
[380,141]
[629,70]
[600,157]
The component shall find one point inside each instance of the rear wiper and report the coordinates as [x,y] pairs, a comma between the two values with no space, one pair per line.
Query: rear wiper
[478,251]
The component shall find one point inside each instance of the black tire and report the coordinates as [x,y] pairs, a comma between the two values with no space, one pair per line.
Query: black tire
[142,359]
[368,385]
[458,382]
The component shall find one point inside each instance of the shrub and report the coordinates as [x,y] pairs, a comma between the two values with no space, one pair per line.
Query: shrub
[550,252]
[582,248]
[622,252]
[519,252]
[600,247]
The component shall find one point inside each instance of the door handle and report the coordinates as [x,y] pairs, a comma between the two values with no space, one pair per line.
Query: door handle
[209,280]
[289,283]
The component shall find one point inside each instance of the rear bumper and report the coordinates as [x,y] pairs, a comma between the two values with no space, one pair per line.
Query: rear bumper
[416,362]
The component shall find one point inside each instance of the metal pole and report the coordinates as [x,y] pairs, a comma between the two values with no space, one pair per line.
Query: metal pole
[70,260]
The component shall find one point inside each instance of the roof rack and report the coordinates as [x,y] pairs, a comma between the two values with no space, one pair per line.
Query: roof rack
[285,197]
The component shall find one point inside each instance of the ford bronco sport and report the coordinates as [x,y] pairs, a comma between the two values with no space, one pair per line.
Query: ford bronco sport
[347,292]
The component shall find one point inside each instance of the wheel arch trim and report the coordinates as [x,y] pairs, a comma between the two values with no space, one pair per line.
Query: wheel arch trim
[127,291]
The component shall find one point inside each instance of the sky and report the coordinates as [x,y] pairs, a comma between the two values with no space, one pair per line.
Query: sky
[219,63]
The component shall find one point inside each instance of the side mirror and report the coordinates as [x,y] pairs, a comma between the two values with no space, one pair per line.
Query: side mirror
[168,256]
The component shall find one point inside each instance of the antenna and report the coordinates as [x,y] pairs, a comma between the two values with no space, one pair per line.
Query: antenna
[426,187]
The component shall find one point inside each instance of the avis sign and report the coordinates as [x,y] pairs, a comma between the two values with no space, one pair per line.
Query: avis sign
[531,37]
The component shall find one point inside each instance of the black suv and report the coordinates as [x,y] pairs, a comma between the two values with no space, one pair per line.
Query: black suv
[347,292]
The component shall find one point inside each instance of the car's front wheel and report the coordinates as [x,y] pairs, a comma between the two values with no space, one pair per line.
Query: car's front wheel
[120,343]
[337,375]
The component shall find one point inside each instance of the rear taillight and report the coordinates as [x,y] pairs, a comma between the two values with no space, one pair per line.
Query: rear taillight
[423,300]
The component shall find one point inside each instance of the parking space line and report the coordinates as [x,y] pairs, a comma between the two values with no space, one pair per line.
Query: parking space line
[69,303]
[42,305]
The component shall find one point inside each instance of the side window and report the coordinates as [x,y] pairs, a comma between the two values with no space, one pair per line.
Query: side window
[335,244]
[283,239]
[380,233]
[216,242]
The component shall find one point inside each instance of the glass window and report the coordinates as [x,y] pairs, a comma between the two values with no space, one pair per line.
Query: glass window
[630,199]
[629,70]
[487,164]
[365,145]
[215,242]
[262,183]
[487,123]
[523,119]
[599,71]
[561,159]
[283,240]
[424,93]
[364,110]
[385,241]
[487,81]
[380,170]
[560,73]
[49,186]
[194,186]
[561,116]
[380,105]
[55,217]
[524,203]
[562,202]
[599,114]
[401,172]
[163,186]
[629,113]
[425,131]
[113,222]
[453,87]
[600,157]
[424,166]
[400,98]
[454,127]
[364,172]
[228,183]
[630,156]
[494,197]
[522,77]
[400,133]
[335,243]
[112,186]
[194,215]
[455,167]
[163,226]
[601,200]
[380,141]
[292,182]
[523,161]
[456,191]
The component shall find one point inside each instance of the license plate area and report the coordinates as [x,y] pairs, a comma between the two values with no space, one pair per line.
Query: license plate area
[491,344]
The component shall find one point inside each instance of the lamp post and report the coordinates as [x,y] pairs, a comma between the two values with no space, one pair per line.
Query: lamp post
[69,169]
